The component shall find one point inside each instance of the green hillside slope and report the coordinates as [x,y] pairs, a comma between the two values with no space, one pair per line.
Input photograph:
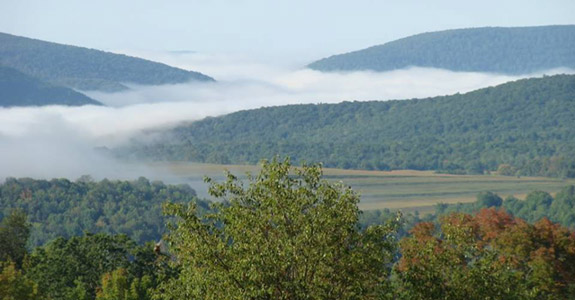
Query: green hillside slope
[527,124]
[86,69]
[517,50]
[63,208]
[19,89]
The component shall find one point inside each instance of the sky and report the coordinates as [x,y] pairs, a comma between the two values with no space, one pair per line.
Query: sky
[297,31]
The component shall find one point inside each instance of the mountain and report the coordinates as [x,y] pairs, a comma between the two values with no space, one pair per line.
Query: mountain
[525,127]
[86,69]
[19,89]
[518,50]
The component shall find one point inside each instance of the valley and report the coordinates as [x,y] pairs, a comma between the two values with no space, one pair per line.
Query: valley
[408,190]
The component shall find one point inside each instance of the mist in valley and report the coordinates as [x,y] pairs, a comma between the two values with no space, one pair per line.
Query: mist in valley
[61,141]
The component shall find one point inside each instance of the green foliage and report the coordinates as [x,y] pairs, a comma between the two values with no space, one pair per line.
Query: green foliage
[14,233]
[536,206]
[62,208]
[527,124]
[86,69]
[14,285]
[488,199]
[288,234]
[116,286]
[19,89]
[73,269]
[518,50]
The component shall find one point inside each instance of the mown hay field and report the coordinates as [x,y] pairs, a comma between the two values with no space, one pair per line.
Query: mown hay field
[407,190]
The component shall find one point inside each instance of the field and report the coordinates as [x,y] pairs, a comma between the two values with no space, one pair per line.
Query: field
[406,189]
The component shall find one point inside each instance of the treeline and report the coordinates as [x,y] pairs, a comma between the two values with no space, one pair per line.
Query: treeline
[536,206]
[520,128]
[288,234]
[86,69]
[64,208]
[519,50]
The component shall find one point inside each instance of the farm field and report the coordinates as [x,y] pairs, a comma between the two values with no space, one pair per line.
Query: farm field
[407,190]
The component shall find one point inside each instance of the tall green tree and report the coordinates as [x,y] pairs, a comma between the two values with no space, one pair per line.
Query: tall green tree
[287,234]
[14,233]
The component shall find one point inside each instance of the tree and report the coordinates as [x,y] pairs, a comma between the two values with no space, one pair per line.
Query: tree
[14,285]
[488,199]
[288,234]
[116,285]
[66,269]
[487,256]
[14,233]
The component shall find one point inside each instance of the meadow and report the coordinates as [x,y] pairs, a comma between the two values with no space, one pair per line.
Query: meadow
[407,190]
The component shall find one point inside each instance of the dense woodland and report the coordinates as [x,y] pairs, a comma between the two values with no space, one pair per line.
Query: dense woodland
[519,50]
[518,128]
[86,69]
[63,208]
[19,89]
[288,234]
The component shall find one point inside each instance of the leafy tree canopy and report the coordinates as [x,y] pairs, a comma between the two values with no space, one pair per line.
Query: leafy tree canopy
[64,208]
[286,234]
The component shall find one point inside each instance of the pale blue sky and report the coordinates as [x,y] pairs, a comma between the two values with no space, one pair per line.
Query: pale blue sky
[295,29]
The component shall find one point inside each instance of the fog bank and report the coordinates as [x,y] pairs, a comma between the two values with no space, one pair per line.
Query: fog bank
[59,141]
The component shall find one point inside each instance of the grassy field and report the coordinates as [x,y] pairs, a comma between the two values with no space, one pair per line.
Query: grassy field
[407,190]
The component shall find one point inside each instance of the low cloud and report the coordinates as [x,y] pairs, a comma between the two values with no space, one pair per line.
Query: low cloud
[58,141]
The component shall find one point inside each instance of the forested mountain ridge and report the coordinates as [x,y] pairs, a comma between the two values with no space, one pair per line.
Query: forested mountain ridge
[19,89]
[86,69]
[525,126]
[507,50]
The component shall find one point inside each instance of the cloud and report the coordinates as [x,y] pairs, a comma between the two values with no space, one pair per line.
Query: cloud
[59,141]
[245,84]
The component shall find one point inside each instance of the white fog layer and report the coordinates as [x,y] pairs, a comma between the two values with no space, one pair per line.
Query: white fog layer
[59,141]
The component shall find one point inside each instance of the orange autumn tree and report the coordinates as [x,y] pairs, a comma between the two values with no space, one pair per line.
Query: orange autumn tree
[491,255]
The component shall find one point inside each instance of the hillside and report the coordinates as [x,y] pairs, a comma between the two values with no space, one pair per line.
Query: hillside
[63,208]
[19,89]
[524,127]
[86,69]
[518,50]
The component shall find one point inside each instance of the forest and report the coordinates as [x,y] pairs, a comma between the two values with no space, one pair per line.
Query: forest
[522,128]
[19,89]
[64,208]
[86,69]
[519,50]
[286,233]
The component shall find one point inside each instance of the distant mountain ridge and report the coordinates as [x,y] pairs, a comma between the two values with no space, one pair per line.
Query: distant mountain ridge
[19,89]
[86,69]
[524,127]
[506,50]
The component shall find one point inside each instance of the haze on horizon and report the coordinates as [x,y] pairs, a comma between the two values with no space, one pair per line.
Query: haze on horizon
[295,32]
